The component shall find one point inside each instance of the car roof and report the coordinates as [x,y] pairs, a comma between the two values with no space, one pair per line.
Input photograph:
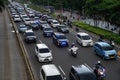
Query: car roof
[50,70]
[41,45]
[58,33]
[103,43]
[82,69]
[54,21]
[29,30]
[82,33]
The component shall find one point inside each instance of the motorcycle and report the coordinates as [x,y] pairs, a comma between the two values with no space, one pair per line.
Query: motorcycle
[73,51]
[100,73]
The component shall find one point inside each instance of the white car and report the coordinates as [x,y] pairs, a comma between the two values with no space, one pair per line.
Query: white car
[55,23]
[84,39]
[27,21]
[17,18]
[51,72]
[43,53]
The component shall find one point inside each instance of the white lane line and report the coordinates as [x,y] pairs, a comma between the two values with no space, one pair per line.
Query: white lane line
[40,41]
[62,70]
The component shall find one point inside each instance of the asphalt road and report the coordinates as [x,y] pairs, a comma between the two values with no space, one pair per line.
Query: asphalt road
[62,57]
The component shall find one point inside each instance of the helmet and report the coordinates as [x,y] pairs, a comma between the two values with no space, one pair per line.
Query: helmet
[98,62]
[73,43]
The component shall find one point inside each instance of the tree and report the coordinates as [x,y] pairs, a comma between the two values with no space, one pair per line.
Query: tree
[2,4]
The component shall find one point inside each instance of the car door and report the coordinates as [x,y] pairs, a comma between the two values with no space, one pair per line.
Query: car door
[98,49]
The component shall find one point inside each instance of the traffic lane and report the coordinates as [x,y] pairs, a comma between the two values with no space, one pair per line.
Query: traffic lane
[61,55]
[63,58]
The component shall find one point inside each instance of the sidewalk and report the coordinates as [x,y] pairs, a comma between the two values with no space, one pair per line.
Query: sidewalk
[12,66]
[101,24]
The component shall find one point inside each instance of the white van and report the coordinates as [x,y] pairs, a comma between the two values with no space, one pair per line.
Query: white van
[50,72]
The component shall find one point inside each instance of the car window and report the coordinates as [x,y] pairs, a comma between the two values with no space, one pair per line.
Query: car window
[44,50]
[85,37]
[78,36]
[107,48]
[55,77]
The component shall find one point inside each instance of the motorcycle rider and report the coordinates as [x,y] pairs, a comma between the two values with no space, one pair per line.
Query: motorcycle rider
[73,48]
[97,66]
[100,38]
[112,42]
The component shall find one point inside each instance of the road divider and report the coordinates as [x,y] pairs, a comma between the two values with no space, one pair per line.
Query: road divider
[29,71]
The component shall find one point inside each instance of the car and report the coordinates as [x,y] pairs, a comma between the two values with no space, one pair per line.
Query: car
[105,50]
[47,31]
[22,28]
[60,39]
[17,18]
[51,72]
[84,39]
[34,25]
[62,28]
[54,23]
[82,72]
[43,24]
[29,36]
[43,53]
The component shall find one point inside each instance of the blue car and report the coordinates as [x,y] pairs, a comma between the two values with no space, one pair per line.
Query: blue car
[60,39]
[105,50]
[47,31]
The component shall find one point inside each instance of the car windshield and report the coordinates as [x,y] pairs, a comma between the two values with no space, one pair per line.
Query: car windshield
[43,22]
[56,77]
[48,29]
[33,23]
[87,76]
[63,26]
[55,22]
[44,50]
[86,37]
[30,34]
[61,37]
[107,48]
[23,26]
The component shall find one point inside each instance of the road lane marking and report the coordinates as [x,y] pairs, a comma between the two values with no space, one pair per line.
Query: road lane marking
[62,70]
[40,41]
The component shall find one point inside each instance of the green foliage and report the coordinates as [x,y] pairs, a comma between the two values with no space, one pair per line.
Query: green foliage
[107,34]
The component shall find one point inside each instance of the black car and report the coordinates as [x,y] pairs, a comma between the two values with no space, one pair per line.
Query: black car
[62,28]
[60,39]
[47,31]
[82,72]
[29,36]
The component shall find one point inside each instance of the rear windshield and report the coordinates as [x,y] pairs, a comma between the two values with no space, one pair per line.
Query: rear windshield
[30,34]
[44,50]
[57,77]
[86,37]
